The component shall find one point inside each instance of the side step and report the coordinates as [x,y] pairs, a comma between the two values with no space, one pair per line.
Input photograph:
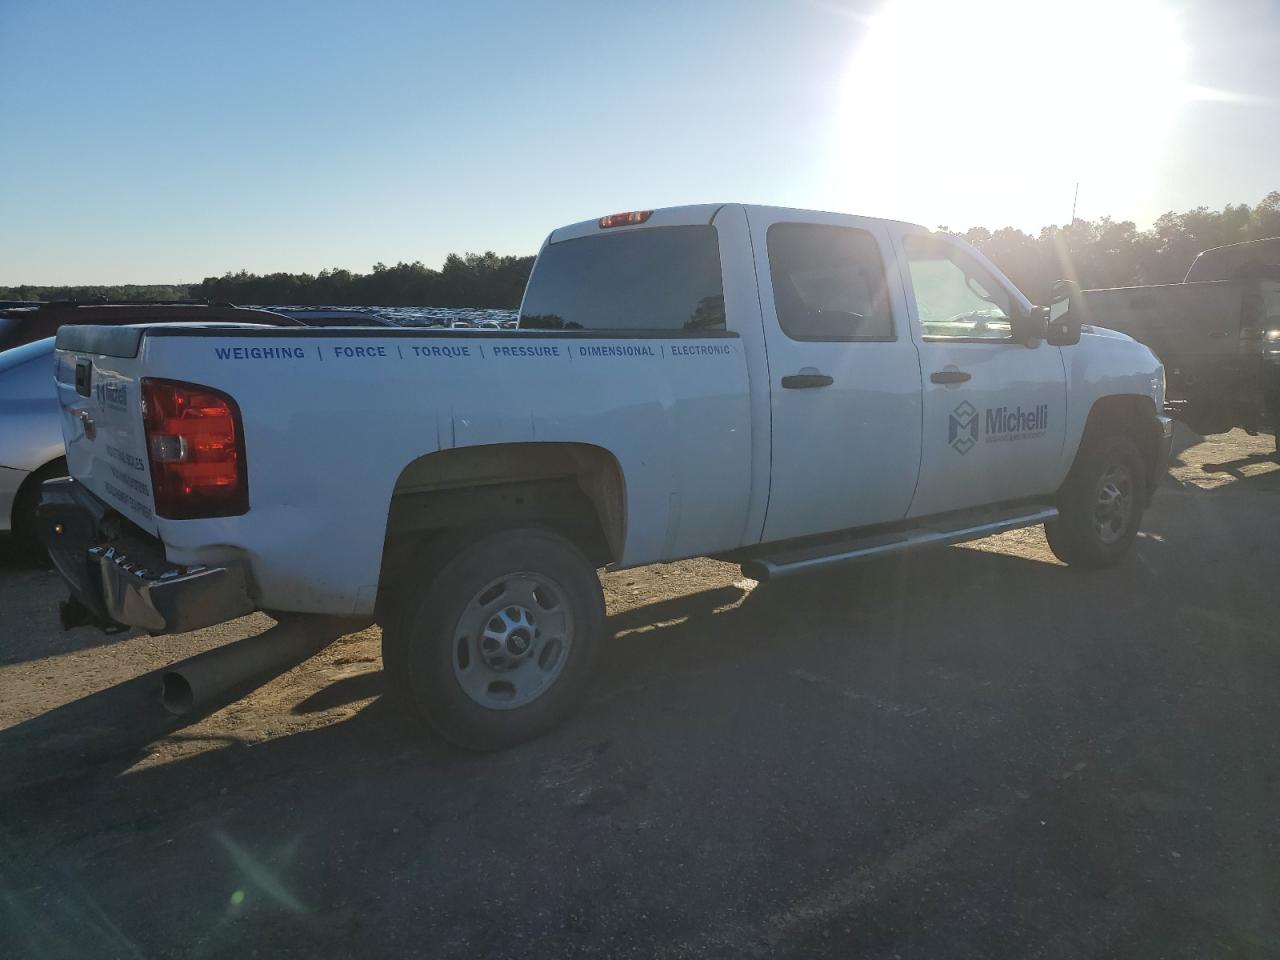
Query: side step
[941,531]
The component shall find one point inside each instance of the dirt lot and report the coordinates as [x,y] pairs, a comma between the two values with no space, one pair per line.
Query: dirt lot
[974,752]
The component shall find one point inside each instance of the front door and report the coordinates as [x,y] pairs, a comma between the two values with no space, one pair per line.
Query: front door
[844,376]
[994,409]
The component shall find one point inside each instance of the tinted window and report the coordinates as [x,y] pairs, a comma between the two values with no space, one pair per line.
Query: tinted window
[656,278]
[828,283]
[956,296]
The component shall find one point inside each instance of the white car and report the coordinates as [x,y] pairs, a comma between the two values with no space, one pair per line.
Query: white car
[31,448]
[783,388]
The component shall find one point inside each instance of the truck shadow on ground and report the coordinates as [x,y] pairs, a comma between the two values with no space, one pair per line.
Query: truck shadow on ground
[1233,467]
[32,574]
[99,736]
[107,732]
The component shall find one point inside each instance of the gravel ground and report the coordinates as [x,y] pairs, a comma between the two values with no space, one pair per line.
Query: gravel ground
[972,752]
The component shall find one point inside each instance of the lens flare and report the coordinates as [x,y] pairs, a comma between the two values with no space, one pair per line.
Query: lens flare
[988,112]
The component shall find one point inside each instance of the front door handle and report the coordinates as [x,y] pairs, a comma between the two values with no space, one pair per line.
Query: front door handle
[805,381]
[950,376]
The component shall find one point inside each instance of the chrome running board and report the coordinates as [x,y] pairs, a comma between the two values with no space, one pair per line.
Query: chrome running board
[940,532]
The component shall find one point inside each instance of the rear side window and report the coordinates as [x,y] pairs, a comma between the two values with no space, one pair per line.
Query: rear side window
[828,283]
[655,278]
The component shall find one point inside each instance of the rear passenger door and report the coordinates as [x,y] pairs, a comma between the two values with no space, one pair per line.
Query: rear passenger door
[844,377]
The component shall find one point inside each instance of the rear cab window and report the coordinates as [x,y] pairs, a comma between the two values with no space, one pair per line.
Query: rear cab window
[649,279]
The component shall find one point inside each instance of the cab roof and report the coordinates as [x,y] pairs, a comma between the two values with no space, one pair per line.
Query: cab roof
[697,214]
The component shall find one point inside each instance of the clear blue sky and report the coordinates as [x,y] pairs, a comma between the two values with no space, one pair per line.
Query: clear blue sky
[157,142]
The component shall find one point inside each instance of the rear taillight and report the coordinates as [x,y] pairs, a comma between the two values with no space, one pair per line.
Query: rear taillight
[195,442]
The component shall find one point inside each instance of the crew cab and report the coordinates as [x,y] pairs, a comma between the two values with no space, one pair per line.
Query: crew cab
[786,389]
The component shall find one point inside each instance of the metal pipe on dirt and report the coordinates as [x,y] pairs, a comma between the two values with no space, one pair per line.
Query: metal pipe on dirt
[208,678]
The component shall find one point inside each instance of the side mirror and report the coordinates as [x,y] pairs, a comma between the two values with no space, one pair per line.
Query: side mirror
[1029,328]
[1066,314]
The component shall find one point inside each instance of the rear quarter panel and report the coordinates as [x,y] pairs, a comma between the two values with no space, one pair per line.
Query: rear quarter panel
[331,420]
[30,435]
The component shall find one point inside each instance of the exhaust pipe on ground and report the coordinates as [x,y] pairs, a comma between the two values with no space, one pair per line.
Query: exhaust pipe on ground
[207,680]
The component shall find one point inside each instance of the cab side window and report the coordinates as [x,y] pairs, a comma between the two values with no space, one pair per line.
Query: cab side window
[957,298]
[828,283]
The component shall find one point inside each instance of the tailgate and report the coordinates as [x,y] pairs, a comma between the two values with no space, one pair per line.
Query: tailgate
[98,372]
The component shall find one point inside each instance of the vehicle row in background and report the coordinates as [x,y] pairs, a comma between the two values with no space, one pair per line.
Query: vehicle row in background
[26,324]
[1217,333]
[333,317]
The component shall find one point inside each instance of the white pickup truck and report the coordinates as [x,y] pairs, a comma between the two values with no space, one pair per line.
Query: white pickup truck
[782,388]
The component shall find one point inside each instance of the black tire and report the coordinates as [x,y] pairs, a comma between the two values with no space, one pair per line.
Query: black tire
[423,642]
[26,535]
[1087,534]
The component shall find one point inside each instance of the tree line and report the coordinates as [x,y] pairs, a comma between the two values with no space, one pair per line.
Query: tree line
[1096,253]
[133,292]
[1115,253]
[483,280]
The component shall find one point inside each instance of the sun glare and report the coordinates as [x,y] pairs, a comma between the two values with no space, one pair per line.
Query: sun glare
[988,112]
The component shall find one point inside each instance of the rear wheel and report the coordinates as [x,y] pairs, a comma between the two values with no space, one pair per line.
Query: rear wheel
[499,645]
[1101,504]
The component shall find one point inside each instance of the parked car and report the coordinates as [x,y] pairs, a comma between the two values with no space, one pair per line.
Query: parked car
[30,436]
[786,389]
[25,325]
[30,429]
[1217,333]
[325,317]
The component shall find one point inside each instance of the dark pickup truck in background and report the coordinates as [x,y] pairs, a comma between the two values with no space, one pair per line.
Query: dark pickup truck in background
[1217,333]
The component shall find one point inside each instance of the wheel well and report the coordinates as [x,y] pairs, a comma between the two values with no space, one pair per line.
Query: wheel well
[576,489]
[1134,416]
[31,483]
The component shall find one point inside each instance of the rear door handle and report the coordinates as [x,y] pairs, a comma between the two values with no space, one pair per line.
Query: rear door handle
[950,376]
[805,381]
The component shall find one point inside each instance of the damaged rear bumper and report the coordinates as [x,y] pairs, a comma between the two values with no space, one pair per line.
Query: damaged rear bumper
[118,576]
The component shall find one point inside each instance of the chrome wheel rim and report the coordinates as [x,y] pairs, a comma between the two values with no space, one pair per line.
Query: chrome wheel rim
[1113,506]
[512,641]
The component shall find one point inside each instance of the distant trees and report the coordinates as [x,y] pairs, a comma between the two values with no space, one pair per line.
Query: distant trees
[1109,253]
[472,280]
[125,291]
[1098,253]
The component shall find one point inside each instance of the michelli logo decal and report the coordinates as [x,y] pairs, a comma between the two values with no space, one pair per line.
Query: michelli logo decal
[962,432]
[999,425]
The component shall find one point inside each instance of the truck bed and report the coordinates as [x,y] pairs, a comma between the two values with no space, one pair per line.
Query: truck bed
[669,406]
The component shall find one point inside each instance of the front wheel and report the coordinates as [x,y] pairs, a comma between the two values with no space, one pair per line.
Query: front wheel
[1100,506]
[501,644]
